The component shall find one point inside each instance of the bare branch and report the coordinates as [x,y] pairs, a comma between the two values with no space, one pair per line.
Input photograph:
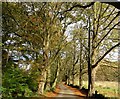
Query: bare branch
[116,4]
[110,13]
[112,20]
[99,19]
[93,66]
[105,10]
[85,46]
[106,34]
[76,62]
[108,16]
[79,6]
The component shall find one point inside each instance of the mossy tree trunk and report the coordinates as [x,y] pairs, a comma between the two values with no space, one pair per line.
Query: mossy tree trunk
[56,74]
[45,75]
[41,83]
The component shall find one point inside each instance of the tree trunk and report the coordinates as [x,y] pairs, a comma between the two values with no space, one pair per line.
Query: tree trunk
[47,84]
[80,79]
[92,82]
[46,69]
[46,62]
[56,75]
[89,80]
[73,78]
[89,61]
[93,76]
[68,78]
[93,72]
[74,54]
[93,56]
[42,81]
[80,72]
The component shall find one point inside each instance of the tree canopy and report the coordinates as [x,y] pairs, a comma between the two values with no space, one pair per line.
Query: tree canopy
[44,43]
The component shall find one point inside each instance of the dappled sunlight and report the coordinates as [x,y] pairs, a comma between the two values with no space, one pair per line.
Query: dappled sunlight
[60,49]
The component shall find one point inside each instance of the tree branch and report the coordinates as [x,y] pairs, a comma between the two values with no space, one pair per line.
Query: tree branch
[112,20]
[116,4]
[85,46]
[79,6]
[106,34]
[105,10]
[76,62]
[93,66]
[99,19]
[108,16]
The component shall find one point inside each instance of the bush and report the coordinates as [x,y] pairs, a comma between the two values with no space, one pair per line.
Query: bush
[17,82]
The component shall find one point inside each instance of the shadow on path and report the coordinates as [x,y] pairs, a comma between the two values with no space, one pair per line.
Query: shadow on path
[67,93]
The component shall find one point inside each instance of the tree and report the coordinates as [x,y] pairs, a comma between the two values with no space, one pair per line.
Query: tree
[34,39]
[99,35]
[100,32]
[34,30]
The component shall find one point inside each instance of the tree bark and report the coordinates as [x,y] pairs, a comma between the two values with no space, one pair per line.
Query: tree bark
[93,76]
[56,76]
[47,66]
[74,63]
[42,83]
[47,84]
[68,79]
[89,60]
[80,78]
[80,72]
[45,75]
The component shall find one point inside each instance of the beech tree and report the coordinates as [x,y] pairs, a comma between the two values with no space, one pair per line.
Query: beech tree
[34,42]
[100,34]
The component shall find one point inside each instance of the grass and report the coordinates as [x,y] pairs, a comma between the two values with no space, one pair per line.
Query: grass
[109,89]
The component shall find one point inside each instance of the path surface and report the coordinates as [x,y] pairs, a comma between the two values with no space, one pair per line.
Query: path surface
[65,92]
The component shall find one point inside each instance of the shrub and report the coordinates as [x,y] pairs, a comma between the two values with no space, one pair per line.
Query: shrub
[17,82]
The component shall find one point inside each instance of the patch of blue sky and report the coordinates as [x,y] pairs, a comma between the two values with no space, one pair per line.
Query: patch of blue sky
[113,55]
[71,28]
[25,66]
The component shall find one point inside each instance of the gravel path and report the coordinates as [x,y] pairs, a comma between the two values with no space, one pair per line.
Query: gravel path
[65,92]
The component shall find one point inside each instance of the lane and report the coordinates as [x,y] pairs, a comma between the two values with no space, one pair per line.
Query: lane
[65,92]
